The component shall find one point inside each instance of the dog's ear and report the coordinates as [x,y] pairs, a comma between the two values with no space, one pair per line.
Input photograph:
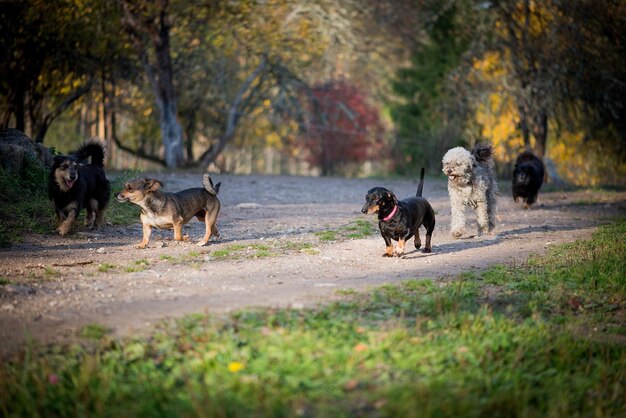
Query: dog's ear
[391,197]
[153,184]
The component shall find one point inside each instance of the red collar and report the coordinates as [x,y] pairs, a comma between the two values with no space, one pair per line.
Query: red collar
[393,212]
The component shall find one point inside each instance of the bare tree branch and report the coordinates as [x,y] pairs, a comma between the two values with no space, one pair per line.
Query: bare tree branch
[71,98]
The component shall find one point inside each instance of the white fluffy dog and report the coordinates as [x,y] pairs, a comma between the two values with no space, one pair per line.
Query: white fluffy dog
[471,182]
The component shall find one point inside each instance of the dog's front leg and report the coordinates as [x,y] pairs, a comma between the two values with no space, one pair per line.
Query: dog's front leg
[400,247]
[67,222]
[491,210]
[89,218]
[389,245]
[147,231]
[66,225]
[457,223]
[60,216]
[178,232]
[482,216]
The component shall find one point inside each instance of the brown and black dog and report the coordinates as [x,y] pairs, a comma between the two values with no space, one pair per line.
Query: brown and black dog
[173,210]
[74,185]
[400,220]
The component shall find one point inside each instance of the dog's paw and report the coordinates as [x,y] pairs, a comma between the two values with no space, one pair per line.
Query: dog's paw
[427,250]
[64,229]
[387,255]
[202,243]
[456,234]
[141,246]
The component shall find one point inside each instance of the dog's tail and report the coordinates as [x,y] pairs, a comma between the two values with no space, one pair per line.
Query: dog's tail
[91,148]
[483,153]
[421,185]
[208,185]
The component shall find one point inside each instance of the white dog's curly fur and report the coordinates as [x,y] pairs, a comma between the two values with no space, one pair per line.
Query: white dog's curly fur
[471,182]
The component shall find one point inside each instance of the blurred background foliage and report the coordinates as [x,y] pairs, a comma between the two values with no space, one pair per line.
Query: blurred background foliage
[321,87]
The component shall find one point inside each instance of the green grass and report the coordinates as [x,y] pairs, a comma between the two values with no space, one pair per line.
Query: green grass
[545,339]
[93,331]
[328,235]
[360,229]
[185,258]
[137,266]
[50,272]
[105,267]
[257,250]
[354,230]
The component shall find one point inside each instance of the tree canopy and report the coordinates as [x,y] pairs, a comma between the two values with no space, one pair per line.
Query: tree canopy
[179,83]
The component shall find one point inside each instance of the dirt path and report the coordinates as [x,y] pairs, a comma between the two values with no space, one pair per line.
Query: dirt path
[269,255]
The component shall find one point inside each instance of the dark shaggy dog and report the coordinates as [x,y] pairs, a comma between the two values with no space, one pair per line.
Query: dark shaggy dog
[400,220]
[74,185]
[527,178]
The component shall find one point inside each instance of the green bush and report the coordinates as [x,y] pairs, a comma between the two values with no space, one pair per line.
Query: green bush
[24,204]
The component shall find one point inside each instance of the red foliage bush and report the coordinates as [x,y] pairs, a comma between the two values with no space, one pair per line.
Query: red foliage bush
[344,128]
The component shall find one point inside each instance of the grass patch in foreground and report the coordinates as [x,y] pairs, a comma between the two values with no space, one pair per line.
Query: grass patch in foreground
[93,331]
[514,342]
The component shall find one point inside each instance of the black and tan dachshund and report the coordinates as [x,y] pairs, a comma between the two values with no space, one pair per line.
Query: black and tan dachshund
[399,220]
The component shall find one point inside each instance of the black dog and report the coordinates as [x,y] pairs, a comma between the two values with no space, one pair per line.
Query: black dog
[527,178]
[74,185]
[400,220]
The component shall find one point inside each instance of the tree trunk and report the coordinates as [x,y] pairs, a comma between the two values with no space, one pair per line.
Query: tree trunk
[20,113]
[190,127]
[523,125]
[171,134]
[156,30]
[540,132]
